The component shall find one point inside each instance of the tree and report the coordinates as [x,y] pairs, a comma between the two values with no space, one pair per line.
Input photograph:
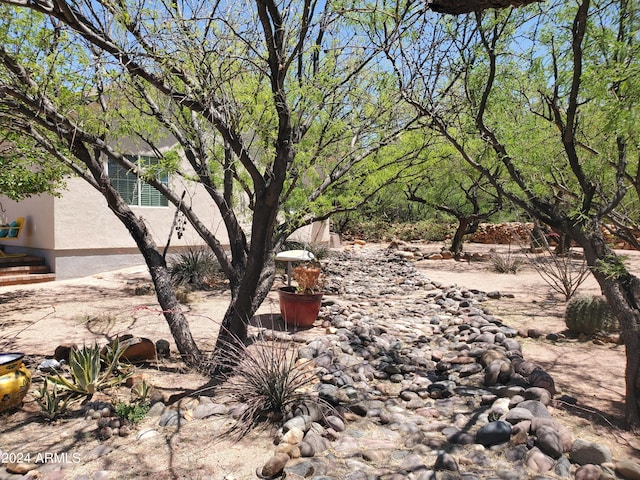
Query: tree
[27,170]
[543,104]
[456,191]
[276,106]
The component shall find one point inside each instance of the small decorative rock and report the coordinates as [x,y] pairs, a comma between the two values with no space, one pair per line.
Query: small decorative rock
[549,441]
[316,442]
[301,422]
[105,432]
[163,348]
[50,365]
[305,468]
[169,418]
[274,466]
[20,468]
[146,433]
[156,410]
[444,461]
[63,351]
[293,436]
[628,469]
[494,433]
[335,422]
[588,472]
[584,452]
[537,408]
[206,410]
[413,463]
[517,415]
[292,450]
[563,467]
[538,461]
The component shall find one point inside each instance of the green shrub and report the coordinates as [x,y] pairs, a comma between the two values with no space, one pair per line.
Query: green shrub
[132,412]
[427,230]
[53,402]
[381,230]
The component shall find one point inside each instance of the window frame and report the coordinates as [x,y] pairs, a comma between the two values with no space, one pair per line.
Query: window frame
[135,191]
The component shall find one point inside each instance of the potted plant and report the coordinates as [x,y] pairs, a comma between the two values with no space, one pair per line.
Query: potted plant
[300,305]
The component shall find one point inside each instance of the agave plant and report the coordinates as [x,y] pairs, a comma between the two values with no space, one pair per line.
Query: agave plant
[141,392]
[91,372]
[53,403]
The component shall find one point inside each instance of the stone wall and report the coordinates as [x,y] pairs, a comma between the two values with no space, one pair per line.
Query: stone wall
[519,233]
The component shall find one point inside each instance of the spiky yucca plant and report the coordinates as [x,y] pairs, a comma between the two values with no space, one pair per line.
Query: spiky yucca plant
[506,263]
[267,381]
[193,267]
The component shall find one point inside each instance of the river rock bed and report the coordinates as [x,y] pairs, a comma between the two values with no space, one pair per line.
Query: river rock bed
[423,383]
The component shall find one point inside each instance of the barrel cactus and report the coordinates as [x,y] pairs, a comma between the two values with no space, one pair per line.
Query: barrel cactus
[589,313]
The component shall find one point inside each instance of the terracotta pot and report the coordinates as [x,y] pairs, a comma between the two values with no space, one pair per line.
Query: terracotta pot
[299,309]
[15,379]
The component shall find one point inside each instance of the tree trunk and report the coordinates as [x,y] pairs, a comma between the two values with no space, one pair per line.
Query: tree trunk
[564,243]
[172,311]
[165,293]
[538,237]
[245,302]
[256,278]
[621,291]
[154,259]
[458,236]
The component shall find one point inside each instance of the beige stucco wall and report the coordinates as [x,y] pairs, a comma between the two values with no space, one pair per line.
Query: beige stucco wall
[83,220]
[317,232]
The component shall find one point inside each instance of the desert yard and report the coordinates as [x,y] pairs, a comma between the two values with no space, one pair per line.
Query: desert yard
[37,318]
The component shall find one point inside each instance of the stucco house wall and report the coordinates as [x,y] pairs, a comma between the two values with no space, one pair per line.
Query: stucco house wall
[78,235]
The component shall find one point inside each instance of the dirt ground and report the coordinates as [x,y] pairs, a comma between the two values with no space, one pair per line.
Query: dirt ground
[36,318]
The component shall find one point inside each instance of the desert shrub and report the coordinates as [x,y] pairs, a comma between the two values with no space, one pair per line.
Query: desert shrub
[506,263]
[563,273]
[183,294]
[92,370]
[194,267]
[267,381]
[138,406]
[427,230]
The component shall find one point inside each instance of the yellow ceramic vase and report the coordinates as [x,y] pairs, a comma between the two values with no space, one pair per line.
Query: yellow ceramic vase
[15,379]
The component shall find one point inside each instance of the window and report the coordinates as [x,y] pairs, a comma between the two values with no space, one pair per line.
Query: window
[132,188]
